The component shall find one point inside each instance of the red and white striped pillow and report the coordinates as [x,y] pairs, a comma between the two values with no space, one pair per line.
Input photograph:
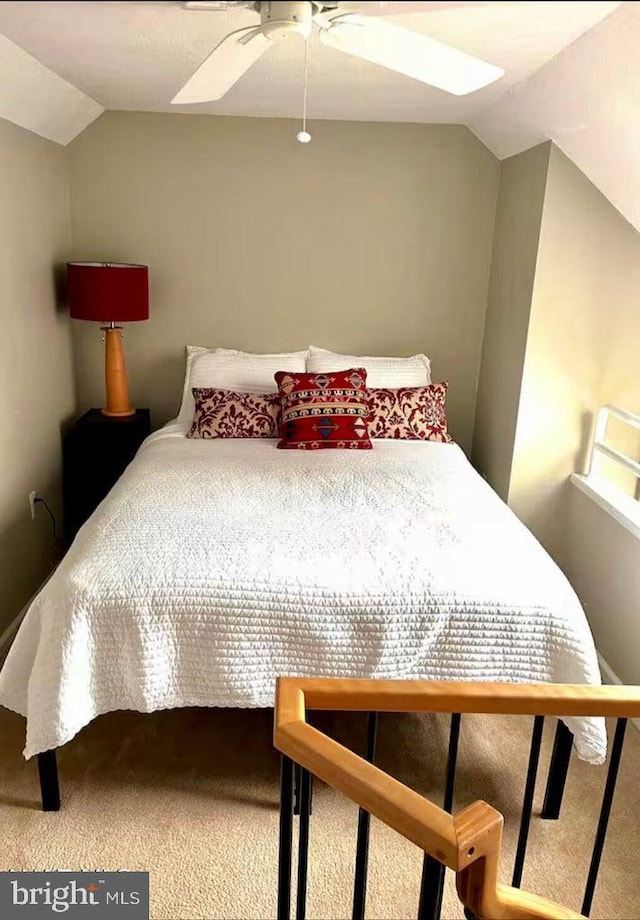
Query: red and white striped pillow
[324,410]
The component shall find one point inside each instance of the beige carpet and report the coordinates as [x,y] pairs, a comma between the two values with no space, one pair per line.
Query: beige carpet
[192,797]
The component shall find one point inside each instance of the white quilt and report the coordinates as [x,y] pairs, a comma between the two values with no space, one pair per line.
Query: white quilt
[214,566]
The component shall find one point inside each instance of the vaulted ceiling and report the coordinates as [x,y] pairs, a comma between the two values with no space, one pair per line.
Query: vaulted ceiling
[571,75]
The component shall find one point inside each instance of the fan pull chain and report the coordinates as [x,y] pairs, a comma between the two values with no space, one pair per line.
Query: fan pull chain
[303,136]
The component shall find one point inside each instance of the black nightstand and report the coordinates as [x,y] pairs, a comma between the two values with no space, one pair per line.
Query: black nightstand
[96,454]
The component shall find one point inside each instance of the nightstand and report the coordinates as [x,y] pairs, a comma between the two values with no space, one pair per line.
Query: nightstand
[98,450]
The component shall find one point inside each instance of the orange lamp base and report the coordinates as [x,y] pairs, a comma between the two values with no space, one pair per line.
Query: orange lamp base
[115,374]
[106,411]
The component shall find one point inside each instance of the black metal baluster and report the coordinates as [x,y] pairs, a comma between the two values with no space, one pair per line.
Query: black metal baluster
[49,786]
[558,769]
[605,811]
[527,805]
[303,844]
[364,822]
[297,785]
[286,839]
[433,872]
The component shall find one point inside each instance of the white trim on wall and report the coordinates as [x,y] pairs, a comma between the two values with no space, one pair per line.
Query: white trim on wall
[609,676]
[622,508]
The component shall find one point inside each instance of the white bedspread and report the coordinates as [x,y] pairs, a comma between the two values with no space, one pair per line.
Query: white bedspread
[214,566]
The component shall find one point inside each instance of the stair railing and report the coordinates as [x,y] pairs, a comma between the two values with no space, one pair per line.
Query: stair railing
[469,842]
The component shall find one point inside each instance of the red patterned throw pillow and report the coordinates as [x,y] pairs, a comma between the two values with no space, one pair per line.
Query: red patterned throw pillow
[410,413]
[324,410]
[227,414]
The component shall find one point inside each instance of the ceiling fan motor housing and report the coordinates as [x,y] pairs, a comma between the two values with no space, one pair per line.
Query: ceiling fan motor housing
[282,18]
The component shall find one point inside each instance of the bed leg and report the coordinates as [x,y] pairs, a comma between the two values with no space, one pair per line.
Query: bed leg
[557,772]
[49,786]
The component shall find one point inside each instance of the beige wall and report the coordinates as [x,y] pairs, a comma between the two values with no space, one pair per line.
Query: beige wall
[383,244]
[513,267]
[36,379]
[603,564]
[561,338]
[373,238]
[582,347]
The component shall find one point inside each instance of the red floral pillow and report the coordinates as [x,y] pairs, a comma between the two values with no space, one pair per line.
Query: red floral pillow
[410,413]
[227,414]
[324,410]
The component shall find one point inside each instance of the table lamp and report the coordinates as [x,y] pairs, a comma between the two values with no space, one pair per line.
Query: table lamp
[110,293]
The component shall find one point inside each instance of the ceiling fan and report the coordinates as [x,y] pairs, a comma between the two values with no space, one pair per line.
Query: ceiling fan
[354,28]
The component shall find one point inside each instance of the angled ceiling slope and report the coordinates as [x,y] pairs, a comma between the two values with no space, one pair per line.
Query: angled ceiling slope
[36,98]
[586,100]
[571,76]
[136,56]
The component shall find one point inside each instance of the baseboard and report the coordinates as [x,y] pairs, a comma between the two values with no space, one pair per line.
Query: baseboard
[609,676]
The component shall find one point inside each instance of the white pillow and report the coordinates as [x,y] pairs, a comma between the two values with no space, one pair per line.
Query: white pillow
[188,406]
[227,369]
[382,372]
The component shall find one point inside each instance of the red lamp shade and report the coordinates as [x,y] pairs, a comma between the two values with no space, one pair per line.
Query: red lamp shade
[108,292]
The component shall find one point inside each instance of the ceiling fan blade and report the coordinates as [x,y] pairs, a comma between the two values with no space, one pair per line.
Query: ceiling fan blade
[216,5]
[410,53]
[228,61]
[393,8]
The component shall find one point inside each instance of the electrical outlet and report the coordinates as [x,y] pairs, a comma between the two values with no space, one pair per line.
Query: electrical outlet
[32,504]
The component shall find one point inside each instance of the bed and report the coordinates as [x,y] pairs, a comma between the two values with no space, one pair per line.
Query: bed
[212,567]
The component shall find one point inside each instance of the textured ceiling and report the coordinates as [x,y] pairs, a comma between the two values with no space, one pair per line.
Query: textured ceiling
[136,55]
[587,100]
[572,75]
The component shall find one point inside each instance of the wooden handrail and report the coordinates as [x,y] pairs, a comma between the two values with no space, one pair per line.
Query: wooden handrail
[460,696]
[470,842]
